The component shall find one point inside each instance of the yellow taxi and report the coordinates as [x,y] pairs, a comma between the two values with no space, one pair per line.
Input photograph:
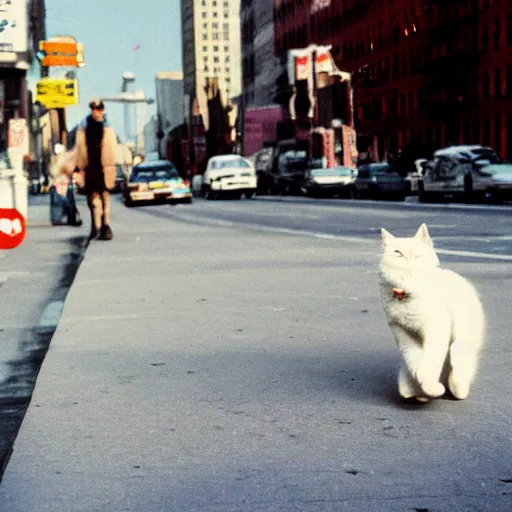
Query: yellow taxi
[156,182]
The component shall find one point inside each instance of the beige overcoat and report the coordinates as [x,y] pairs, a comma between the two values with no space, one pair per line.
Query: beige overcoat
[77,158]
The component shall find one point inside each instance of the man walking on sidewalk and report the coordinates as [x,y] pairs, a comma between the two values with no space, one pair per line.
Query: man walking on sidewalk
[96,146]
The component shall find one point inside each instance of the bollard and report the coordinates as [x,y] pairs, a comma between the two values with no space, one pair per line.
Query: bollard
[14,191]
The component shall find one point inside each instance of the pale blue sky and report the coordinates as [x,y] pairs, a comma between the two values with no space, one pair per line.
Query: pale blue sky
[109,29]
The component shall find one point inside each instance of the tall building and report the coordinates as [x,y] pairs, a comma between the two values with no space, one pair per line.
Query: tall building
[211,52]
[150,131]
[169,102]
[260,73]
[425,74]
[23,26]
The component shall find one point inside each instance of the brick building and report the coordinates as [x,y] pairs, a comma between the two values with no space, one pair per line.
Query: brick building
[260,75]
[426,73]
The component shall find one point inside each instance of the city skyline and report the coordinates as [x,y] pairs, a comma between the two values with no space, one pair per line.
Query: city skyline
[143,45]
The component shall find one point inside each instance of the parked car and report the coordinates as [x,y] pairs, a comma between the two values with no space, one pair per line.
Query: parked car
[331,182]
[412,177]
[156,182]
[379,181]
[263,161]
[291,167]
[227,176]
[500,180]
[464,172]
[120,179]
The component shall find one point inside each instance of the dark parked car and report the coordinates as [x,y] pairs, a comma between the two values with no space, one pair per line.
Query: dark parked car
[292,166]
[331,182]
[380,181]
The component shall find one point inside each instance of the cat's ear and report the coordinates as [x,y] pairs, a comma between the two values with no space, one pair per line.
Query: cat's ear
[423,235]
[386,236]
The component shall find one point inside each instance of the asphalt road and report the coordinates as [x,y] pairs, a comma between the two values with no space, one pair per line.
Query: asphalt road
[236,358]
[327,382]
[459,231]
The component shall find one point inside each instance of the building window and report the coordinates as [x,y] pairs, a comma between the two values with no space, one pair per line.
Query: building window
[205,48]
[216,60]
[497,134]
[509,31]
[205,37]
[203,14]
[497,83]
[485,39]
[485,85]
[215,25]
[497,35]
[486,135]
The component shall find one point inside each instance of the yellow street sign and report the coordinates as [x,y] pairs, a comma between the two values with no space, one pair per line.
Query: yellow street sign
[57,93]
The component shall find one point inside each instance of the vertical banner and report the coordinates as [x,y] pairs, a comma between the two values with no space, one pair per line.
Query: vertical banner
[301,69]
[319,5]
[17,140]
[350,153]
[329,148]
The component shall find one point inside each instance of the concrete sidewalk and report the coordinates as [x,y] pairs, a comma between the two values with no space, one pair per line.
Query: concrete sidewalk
[212,369]
[34,280]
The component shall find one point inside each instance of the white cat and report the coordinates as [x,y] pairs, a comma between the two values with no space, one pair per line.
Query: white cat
[435,316]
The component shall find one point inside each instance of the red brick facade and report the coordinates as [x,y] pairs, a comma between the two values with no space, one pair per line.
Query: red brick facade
[427,73]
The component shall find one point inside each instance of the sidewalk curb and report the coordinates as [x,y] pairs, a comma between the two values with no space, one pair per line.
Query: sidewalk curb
[42,333]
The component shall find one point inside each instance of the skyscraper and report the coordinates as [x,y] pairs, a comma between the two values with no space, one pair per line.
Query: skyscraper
[211,51]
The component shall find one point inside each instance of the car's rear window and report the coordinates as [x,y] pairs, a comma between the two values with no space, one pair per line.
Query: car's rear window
[154,174]
[231,163]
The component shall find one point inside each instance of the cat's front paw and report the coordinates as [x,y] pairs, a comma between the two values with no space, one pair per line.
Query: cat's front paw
[433,389]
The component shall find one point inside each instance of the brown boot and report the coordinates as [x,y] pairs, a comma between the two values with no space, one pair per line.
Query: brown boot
[106,233]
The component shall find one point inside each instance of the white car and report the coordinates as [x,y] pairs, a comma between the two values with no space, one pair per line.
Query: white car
[470,172]
[228,176]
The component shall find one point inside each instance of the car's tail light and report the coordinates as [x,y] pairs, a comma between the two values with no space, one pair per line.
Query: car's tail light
[187,183]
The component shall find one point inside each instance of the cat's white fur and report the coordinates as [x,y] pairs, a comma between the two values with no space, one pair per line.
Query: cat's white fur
[440,323]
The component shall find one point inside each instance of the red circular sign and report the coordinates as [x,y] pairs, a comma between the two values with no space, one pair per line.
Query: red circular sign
[12,228]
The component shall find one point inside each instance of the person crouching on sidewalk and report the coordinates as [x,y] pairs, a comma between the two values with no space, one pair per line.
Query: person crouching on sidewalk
[96,147]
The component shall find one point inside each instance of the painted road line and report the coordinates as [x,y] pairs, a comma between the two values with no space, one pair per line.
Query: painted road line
[326,236]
